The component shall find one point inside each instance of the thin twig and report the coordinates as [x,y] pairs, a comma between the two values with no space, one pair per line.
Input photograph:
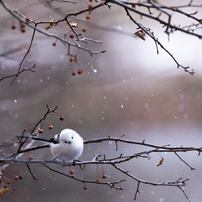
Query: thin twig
[31,172]
[28,50]
[31,69]
[137,190]
[192,168]
[185,194]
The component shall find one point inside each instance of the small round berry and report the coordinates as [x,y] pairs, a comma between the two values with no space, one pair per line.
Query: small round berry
[54,44]
[98,180]
[85,187]
[102,3]
[71,172]
[27,19]
[23,30]
[50,127]
[90,7]
[20,177]
[87,17]
[40,130]
[104,176]
[13,27]
[80,71]
[91,0]
[73,73]
[84,29]
[8,182]
[14,189]
[5,186]
[23,25]
[133,5]
[61,118]
[30,157]
[71,59]
[71,36]
[16,178]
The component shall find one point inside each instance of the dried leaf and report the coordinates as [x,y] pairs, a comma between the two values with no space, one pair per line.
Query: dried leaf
[3,191]
[75,59]
[50,25]
[140,34]
[160,162]
[73,24]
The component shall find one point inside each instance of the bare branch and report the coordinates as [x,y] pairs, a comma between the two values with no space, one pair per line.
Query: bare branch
[100,159]
[130,7]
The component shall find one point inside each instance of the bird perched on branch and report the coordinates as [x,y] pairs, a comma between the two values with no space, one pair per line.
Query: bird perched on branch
[66,146]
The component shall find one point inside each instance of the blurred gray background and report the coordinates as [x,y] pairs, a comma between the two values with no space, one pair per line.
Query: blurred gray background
[127,90]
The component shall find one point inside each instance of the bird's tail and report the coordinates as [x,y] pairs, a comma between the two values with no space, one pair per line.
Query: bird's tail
[42,139]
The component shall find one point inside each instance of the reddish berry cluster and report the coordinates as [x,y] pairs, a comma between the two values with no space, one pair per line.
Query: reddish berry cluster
[22,27]
[80,71]
[8,182]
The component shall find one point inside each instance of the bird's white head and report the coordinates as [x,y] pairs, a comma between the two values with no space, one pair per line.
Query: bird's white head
[68,136]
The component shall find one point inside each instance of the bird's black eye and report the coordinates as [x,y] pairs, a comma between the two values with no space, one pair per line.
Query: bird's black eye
[72,137]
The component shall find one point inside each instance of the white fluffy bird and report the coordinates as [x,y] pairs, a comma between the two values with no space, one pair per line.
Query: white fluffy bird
[66,146]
